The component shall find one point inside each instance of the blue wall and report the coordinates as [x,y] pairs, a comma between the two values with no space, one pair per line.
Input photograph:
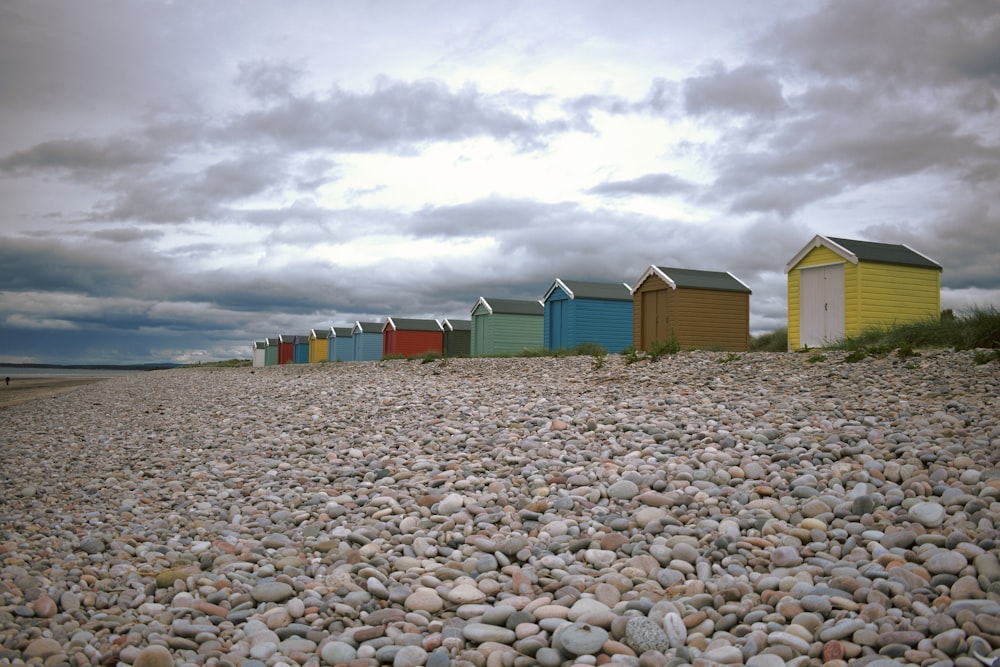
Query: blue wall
[570,322]
[367,346]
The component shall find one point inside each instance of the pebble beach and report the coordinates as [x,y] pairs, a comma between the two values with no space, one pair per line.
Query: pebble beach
[761,509]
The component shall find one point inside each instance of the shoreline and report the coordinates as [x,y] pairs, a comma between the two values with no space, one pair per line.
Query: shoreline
[27,389]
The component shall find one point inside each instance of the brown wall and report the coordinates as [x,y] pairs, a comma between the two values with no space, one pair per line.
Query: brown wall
[699,318]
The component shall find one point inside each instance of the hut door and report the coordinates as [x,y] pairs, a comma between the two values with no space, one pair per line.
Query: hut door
[654,317]
[556,306]
[821,305]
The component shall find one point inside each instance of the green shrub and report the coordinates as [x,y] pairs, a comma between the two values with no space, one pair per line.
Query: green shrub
[659,348]
[774,341]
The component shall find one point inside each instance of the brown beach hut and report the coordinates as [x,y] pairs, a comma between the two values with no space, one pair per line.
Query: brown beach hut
[701,309]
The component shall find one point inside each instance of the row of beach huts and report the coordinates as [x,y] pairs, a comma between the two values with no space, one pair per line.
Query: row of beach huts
[836,287]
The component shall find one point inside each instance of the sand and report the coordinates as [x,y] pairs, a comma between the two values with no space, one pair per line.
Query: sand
[26,389]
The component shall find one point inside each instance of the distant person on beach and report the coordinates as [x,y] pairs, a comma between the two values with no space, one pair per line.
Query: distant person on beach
[8,379]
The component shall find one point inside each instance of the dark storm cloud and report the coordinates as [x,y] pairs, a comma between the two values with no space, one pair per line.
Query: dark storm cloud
[166,196]
[820,156]
[391,116]
[649,184]
[85,158]
[749,89]
[876,42]
[92,268]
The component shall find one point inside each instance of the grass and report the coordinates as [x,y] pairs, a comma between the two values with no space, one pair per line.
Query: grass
[774,341]
[977,328]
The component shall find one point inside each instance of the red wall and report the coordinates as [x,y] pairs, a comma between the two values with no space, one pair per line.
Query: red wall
[412,343]
[286,353]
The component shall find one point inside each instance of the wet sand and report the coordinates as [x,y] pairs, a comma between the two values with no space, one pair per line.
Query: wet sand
[26,389]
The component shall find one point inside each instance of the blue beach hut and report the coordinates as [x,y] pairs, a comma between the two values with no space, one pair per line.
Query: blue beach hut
[300,354]
[367,337]
[341,344]
[579,311]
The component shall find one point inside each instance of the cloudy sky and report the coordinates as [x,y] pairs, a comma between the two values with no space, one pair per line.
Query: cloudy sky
[178,179]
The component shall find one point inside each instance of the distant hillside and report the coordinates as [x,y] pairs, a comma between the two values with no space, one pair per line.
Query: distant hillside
[98,367]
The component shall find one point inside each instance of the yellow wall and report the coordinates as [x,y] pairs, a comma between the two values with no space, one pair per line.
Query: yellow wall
[319,350]
[874,294]
[889,294]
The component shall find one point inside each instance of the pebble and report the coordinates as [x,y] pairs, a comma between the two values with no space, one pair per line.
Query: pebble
[487,512]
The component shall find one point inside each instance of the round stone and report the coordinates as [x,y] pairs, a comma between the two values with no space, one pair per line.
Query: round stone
[928,514]
[337,652]
[481,632]
[944,561]
[623,489]
[643,634]
[410,656]
[154,656]
[578,639]
[272,591]
[424,599]
[786,557]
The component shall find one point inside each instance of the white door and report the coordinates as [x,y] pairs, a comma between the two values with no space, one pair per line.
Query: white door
[821,305]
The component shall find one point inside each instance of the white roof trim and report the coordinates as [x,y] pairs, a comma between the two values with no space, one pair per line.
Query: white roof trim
[482,300]
[816,242]
[653,270]
[560,284]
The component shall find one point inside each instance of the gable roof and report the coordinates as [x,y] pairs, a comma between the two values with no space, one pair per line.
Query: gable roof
[286,338]
[722,281]
[511,306]
[259,344]
[855,251]
[272,341]
[403,324]
[319,334]
[367,327]
[341,331]
[457,325]
[584,289]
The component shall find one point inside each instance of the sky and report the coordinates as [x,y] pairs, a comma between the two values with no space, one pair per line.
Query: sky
[181,178]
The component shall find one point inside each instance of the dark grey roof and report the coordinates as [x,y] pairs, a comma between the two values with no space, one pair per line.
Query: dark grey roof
[368,327]
[344,332]
[515,306]
[459,325]
[885,253]
[320,333]
[286,338]
[586,289]
[711,280]
[405,324]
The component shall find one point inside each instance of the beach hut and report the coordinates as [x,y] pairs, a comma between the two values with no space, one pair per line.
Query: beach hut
[286,349]
[367,338]
[341,344]
[259,352]
[301,353]
[698,309]
[578,312]
[271,353]
[457,339]
[839,287]
[410,337]
[506,326]
[319,345]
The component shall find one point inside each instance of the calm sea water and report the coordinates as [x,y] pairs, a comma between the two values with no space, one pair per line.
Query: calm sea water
[19,372]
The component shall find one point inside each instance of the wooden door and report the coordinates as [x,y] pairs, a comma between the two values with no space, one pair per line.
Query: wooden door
[655,324]
[821,305]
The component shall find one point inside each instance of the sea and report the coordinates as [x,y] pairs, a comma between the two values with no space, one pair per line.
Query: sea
[14,372]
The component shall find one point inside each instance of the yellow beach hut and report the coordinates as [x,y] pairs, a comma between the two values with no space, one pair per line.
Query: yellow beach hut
[839,287]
